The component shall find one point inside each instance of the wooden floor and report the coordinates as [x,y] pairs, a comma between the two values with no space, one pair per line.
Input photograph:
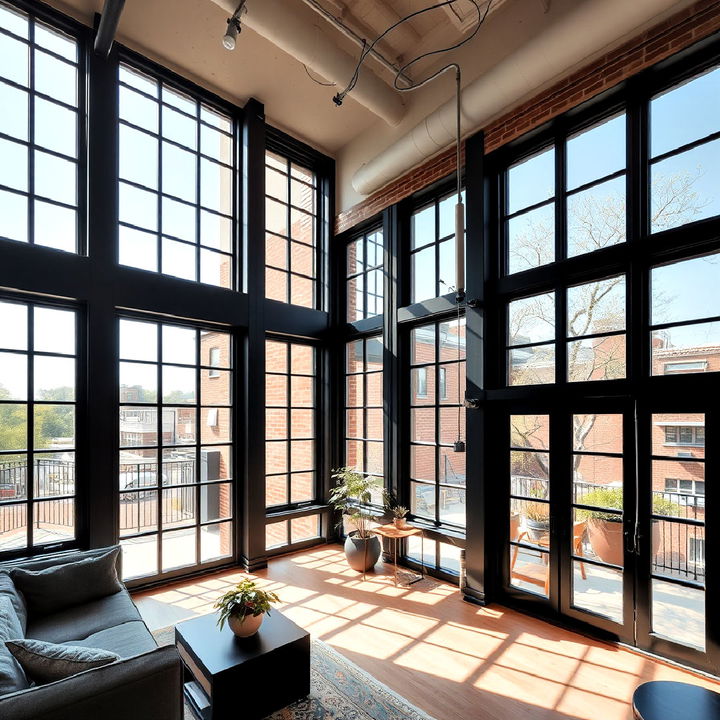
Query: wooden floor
[454,660]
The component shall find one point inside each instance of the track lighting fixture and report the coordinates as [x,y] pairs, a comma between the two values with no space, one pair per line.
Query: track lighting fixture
[233,28]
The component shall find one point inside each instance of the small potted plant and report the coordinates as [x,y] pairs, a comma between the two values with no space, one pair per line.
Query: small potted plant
[537,520]
[244,608]
[399,512]
[351,495]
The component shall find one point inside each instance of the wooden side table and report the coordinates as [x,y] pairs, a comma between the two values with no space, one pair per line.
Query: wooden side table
[396,534]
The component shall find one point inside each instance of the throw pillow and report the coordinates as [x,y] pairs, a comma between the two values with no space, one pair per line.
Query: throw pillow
[12,677]
[46,662]
[7,587]
[63,586]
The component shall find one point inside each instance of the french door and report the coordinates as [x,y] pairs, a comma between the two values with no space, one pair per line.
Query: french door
[607,520]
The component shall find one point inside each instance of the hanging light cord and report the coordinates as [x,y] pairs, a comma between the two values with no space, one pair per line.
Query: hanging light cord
[459,357]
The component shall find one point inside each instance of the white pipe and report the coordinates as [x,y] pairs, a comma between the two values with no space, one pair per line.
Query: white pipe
[283,24]
[591,26]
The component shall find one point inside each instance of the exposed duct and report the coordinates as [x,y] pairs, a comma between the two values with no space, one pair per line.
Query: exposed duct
[285,25]
[591,26]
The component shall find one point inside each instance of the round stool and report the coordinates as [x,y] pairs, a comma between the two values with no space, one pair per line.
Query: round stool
[665,700]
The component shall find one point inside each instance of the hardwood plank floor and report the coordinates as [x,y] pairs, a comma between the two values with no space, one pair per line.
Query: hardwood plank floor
[454,660]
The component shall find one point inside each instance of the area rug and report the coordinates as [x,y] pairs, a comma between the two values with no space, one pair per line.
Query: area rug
[339,690]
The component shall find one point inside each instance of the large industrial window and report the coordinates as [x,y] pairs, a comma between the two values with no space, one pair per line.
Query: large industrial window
[437,470]
[38,395]
[364,405]
[41,136]
[177,182]
[291,209]
[291,422]
[365,276]
[432,249]
[176,457]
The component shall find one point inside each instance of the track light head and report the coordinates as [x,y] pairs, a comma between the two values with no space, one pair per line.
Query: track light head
[233,28]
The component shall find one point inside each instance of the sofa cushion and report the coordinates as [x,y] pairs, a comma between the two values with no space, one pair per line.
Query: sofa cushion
[12,677]
[128,639]
[45,662]
[77,623]
[8,589]
[70,584]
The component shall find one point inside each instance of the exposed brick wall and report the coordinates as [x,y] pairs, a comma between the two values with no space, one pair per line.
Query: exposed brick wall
[676,33]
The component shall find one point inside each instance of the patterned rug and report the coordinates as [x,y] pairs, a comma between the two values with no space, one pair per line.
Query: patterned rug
[339,690]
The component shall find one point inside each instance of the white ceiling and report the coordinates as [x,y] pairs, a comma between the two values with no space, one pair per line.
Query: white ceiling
[185,35]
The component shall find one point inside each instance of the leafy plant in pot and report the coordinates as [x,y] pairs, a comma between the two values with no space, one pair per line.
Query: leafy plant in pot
[351,495]
[244,607]
[605,529]
[399,512]
[537,520]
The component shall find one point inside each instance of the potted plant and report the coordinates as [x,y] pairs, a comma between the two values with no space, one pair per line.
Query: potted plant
[244,608]
[351,495]
[605,529]
[537,520]
[399,512]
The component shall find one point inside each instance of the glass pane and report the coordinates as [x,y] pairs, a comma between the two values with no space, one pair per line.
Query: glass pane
[276,217]
[422,500]
[56,42]
[678,488]
[422,345]
[686,290]
[679,435]
[13,427]
[530,570]
[423,274]
[531,239]
[13,531]
[179,385]
[54,330]
[302,487]
[450,557]
[14,168]
[138,157]
[276,534]
[55,78]
[422,462]
[530,474]
[178,219]
[138,110]
[302,391]
[55,226]
[697,101]
[678,550]
[530,431]
[596,217]
[531,181]
[178,549]
[678,613]
[597,307]
[423,227]
[138,207]
[215,425]
[55,178]
[54,379]
[421,550]
[216,186]
[138,512]
[276,387]
[179,127]
[276,460]
[684,187]
[531,319]
[596,152]
[598,590]
[179,507]
[276,491]
[14,21]
[179,172]
[598,482]
[452,505]
[304,528]
[422,423]
[13,376]
[216,231]
[685,349]
[56,127]
[216,541]
[598,433]
[600,358]
[54,426]
[179,344]
[532,365]
[179,259]
[138,382]
[13,216]
[139,556]
[138,340]
[54,474]
[302,455]
[14,122]
[53,521]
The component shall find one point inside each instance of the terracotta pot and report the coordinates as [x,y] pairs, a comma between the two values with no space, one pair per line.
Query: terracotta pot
[514,526]
[362,553]
[400,523]
[246,627]
[606,538]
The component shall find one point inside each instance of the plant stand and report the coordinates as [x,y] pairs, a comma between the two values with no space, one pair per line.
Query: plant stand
[396,534]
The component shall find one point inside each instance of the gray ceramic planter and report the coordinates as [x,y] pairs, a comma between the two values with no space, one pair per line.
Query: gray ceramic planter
[362,554]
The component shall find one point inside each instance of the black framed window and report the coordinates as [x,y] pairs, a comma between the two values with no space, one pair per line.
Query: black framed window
[175,477]
[364,414]
[291,238]
[432,249]
[38,439]
[365,276]
[685,156]
[177,181]
[437,472]
[291,423]
[685,316]
[41,132]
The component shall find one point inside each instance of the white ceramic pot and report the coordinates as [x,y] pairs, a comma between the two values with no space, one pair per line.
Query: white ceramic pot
[246,627]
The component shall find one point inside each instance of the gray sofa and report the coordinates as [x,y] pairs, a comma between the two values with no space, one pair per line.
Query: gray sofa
[145,683]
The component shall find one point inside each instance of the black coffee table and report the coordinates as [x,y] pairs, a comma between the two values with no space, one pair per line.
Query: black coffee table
[243,677]
[666,700]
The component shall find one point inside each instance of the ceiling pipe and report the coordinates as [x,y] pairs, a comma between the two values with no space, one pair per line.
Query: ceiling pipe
[590,27]
[284,25]
[109,20]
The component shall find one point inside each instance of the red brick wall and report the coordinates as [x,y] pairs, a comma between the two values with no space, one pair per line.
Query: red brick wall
[680,31]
